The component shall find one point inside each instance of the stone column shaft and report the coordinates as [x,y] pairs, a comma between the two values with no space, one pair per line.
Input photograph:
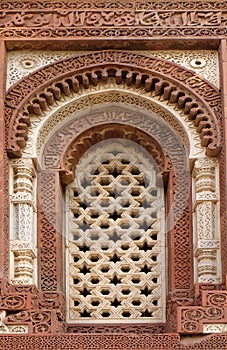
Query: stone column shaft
[23,235]
[206,223]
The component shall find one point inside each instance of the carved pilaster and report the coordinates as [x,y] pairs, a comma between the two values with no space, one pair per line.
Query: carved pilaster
[206,220]
[23,228]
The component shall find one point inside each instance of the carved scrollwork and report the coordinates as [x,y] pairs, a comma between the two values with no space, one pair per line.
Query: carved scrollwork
[140,5]
[14,302]
[41,320]
[194,315]
[193,318]
[190,326]
[214,313]
[217,299]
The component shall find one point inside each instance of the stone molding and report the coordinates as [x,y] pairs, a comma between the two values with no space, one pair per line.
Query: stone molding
[94,341]
[43,313]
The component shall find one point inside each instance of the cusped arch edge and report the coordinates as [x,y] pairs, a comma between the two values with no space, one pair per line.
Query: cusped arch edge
[103,132]
[195,97]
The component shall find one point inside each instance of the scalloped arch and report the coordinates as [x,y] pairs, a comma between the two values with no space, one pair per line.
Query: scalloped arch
[195,97]
[99,133]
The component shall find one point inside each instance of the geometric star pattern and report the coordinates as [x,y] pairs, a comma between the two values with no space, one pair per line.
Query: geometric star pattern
[116,236]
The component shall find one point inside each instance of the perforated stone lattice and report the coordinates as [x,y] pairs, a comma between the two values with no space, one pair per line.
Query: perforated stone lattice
[116,236]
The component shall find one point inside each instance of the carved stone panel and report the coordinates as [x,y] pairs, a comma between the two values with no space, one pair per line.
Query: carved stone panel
[116,236]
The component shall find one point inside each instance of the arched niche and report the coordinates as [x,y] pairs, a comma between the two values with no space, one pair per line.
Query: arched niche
[167,84]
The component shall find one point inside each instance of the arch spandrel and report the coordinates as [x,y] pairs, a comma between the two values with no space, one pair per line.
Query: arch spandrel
[198,99]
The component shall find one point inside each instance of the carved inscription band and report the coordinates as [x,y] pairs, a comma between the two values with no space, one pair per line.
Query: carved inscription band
[136,19]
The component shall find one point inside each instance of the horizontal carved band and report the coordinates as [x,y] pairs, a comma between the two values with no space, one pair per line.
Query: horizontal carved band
[95,341]
[115,17]
[15,6]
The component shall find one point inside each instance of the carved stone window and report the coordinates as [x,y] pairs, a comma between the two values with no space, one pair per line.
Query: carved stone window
[115,236]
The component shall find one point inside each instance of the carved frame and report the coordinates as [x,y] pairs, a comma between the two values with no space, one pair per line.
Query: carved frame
[12,151]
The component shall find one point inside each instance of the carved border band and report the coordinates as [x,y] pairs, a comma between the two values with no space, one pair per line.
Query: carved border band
[185,5]
[136,19]
[94,341]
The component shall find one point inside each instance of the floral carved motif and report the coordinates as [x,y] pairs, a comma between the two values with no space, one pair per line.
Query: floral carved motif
[25,305]
[5,244]
[217,298]
[49,268]
[140,5]
[137,328]
[175,84]
[41,320]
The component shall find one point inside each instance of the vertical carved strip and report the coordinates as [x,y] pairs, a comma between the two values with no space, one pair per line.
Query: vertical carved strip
[4,217]
[49,231]
[23,235]
[180,257]
[206,221]
[23,198]
[223,162]
[4,197]
[180,237]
